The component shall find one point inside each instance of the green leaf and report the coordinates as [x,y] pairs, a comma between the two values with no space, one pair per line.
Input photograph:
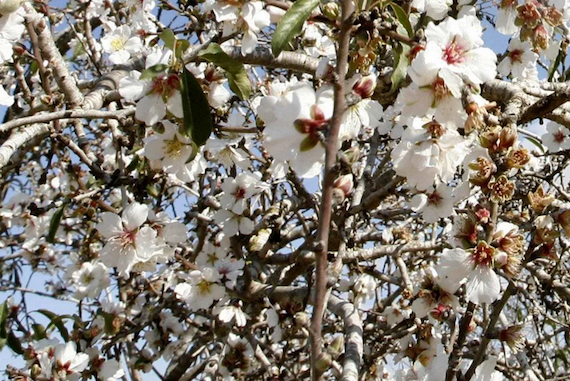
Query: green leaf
[401,64]
[536,143]
[54,224]
[39,331]
[198,123]
[3,316]
[153,71]
[57,321]
[240,84]
[14,343]
[238,78]
[402,17]
[169,38]
[291,24]
[3,324]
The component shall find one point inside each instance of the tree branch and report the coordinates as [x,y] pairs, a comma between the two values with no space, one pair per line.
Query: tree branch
[353,332]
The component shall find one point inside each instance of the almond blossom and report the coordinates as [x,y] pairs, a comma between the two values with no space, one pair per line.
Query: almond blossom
[557,137]
[519,61]
[61,361]
[293,132]
[477,266]
[128,242]
[120,44]
[201,289]
[456,47]
[428,152]
[249,18]
[435,204]
[153,95]
[238,191]
[169,148]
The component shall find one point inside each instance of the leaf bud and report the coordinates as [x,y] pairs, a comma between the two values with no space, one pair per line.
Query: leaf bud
[323,363]
[336,347]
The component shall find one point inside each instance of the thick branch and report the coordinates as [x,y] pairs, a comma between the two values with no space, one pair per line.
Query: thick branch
[353,332]
[49,50]
[18,139]
[331,148]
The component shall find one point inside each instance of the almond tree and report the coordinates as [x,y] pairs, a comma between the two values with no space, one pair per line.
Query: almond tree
[285,190]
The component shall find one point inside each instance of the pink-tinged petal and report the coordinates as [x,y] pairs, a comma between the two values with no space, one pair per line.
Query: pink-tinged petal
[111,254]
[110,225]
[483,285]
[134,215]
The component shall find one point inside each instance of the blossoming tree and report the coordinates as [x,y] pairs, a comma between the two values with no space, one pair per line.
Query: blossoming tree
[285,190]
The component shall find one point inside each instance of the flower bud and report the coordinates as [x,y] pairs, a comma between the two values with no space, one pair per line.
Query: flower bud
[441,312]
[331,11]
[365,86]
[302,319]
[345,184]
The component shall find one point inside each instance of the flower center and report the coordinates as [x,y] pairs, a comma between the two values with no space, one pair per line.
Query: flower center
[117,44]
[483,254]
[435,129]
[165,86]
[173,148]
[239,193]
[127,238]
[434,198]
[454,52]
[311,127]
[516,55]
[440,91]
[203,287]
[559,137]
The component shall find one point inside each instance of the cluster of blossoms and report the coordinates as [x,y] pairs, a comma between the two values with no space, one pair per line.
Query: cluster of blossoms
[132,246]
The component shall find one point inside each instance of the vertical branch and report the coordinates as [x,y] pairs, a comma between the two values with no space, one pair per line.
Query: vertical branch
[49,51]
[326,202]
